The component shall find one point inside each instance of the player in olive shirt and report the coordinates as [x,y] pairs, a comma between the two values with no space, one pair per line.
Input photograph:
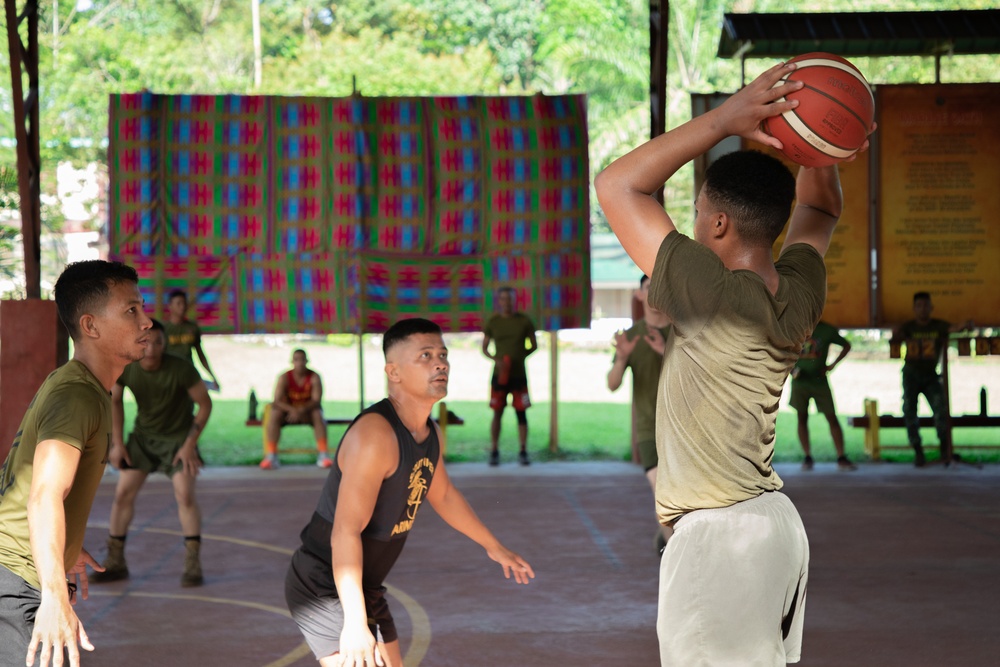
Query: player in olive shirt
[641,349]
[733,575]
[55,465]
[513,336]
[809,382]
[925,339]
[183,335]
[163,439]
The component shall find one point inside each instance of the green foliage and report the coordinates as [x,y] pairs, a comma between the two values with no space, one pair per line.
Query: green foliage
[415,47]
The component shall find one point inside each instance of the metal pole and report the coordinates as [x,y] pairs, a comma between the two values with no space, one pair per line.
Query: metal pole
[258,67]
[554,391]
[361,371]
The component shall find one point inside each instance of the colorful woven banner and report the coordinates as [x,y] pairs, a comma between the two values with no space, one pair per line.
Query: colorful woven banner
[207,281]
[301,293]
[462,194]
[446,290]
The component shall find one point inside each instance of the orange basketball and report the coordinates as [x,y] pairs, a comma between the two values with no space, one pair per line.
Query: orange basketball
[836,109]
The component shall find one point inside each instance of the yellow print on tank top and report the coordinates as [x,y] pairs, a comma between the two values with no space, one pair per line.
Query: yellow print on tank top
[418,489]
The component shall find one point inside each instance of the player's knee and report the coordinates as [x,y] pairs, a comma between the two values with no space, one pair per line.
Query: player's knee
[522,417]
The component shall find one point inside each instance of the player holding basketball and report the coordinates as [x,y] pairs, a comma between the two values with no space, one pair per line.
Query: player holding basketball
[733,576]
[388,462]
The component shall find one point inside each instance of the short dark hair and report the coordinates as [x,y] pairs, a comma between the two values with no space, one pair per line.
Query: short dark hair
[85,286]
[643,280]
[403,329]
[157,326]
[177,293]
[917,296]
[755,190]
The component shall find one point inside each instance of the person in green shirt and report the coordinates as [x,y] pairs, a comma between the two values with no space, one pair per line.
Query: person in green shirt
[734,575]
[55,465]
[640,349]
[184,335]
[925,338]
[513,336]
[809,382]
[164,439]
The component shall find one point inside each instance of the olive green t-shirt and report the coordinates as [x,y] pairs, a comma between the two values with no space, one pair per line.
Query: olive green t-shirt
[510,335]
[165,408]
[182,338]
[731,347]
[645,363]
[812,361]
[73,407]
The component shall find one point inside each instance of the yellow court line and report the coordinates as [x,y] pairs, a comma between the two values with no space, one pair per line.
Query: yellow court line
[299,652]
[419,620]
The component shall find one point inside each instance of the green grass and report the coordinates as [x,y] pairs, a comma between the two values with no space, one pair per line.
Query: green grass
[587,432]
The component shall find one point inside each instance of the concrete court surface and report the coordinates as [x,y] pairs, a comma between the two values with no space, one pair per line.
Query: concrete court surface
[904,570]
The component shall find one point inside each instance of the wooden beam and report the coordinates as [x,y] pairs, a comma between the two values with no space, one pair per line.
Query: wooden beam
[24,61]
[659,22]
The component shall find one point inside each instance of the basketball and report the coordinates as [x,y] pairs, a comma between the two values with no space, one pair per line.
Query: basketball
[836,109]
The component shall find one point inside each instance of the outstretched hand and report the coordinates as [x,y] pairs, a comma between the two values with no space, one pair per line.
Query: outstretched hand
[654,338]
[512,564]
[624,345]
[77,576]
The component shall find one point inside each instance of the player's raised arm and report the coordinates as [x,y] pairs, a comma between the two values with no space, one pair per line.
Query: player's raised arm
[626,187]
[451,505]
[819,202]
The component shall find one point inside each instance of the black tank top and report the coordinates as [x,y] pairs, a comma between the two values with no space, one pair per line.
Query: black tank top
[399,498]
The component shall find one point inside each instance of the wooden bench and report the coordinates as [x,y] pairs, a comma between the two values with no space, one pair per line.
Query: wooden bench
[872,422]
[444,419]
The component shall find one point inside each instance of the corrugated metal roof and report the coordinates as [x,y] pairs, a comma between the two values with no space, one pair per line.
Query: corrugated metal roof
[861,33]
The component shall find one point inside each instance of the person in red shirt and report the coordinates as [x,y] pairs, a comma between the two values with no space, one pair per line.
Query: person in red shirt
[298,399]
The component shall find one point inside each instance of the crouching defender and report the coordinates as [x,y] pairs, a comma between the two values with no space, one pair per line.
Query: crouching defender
[388,462]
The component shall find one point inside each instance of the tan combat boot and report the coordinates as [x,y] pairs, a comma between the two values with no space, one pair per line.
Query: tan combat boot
[192,565]
[115,567]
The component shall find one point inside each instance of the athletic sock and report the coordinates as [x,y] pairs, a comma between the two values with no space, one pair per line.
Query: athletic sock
[120,538]
[322,446]
[192,538]
[271,447]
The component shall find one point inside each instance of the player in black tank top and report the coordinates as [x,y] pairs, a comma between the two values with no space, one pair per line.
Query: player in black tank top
[388,462]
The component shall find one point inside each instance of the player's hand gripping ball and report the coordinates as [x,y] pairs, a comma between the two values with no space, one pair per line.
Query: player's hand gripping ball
[835,112]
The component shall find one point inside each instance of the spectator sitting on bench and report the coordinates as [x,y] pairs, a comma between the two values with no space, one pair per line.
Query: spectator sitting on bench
[298,397]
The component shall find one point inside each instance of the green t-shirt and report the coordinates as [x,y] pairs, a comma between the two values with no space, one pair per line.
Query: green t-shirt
[73,407]
[645,364]
[812,361]
[182,339]
[510,336]
[924,343]
[731,347]
[165,408]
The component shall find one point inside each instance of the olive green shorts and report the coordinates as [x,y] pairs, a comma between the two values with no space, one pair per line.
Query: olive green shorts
[816,389]
[151,454]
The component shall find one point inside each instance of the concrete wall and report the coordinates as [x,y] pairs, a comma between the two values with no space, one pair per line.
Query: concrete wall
[33,343]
